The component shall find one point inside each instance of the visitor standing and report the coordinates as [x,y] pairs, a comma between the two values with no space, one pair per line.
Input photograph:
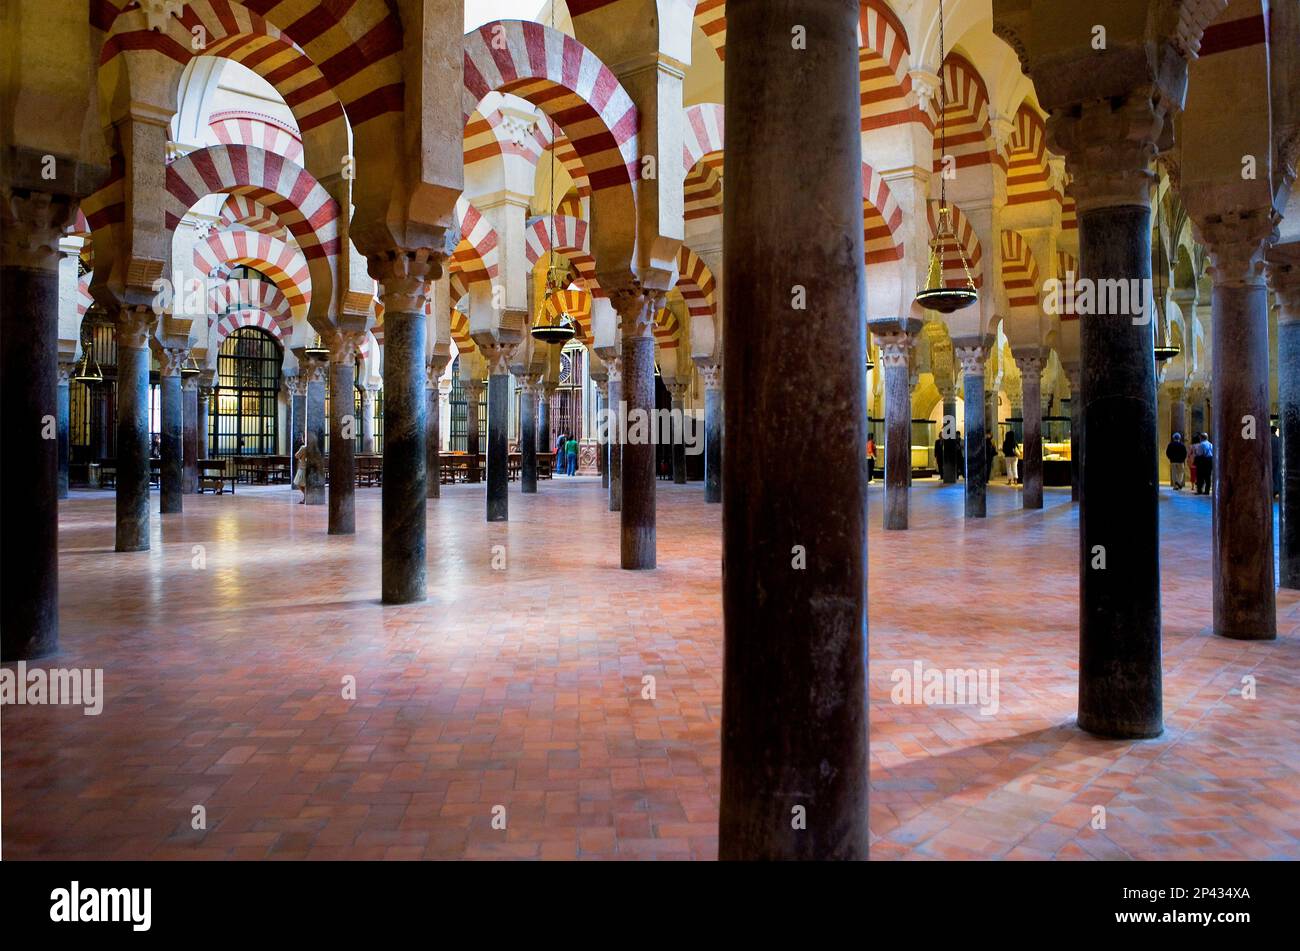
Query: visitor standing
[1176,453]
[1010,454]
[1204,465]
[871,456]
[571,456]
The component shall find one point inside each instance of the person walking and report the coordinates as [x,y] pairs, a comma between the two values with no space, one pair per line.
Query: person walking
[1204,465]
[1010,454]
[871,456]
[571,456]
[1176,453]
[559,453]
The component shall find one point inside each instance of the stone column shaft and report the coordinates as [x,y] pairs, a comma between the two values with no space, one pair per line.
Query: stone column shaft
[638,463]
[894,349]
[615,365]
[1031,377]
[133,327]
[713,433]
[201,421]
[794,714]
[678,391]
[498,446]
[1284,276]
[433,429]
[343,447]
[172,421]
[472,391]
[314,423]
[368,420]
[528,440]
[972,367]
[190,398]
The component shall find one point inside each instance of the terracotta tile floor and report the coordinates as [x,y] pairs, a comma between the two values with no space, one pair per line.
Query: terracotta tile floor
[521,688]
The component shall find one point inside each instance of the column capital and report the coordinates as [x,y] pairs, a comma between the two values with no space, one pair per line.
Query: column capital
[190,384]
[435,368]
[31,224]
[1236,241]
[404,277]
[472,388]
[368,394]
[895,347]
[134,325]
[971,358]
[1030,362]
[343,346]
[498,356]
[615,367]
[65,372]
[314,371]
[171,360]
[1109,148]
[636,308]
[677,389]
[1284,279]
[294,384]
[602,388]
[712,374]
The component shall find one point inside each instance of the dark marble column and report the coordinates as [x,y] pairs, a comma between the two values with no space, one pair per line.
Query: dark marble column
[314,430]
[172,422]
[618,419]
[405,427]
[99,419]
[433,427]
[948,466]
[794,714]
[498,443]
[205,396]
[638,463]
[343,433]
[713,432]
[134,325]
[1198,409]
[679,422]
[1031,380]
[1074,373]
[528,438]
[1245,605]
[29,507]
[1119,571]
[971,356]
[895,347]
[1177,412]
[1284,276]
[190,454]
[544,441]
[472,396]
[64,414]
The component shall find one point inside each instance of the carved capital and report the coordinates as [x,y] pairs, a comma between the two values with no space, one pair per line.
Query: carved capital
[636,310]
[712,374]
[134,326]
[65,372]
[1284,279]
[1236,241]
[313,371]
[294,384]
[972,360]
[190,384]
[895,348]
[344,344]
[678,390]
[615,367]
[1110,148]
[171,360]
[1031,363]
[498,356]
[31,224]
[404,278]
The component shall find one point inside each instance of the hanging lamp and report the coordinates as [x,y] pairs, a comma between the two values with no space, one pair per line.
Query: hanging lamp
[936,295]
[1164,350]
[317,350]
[189,368]
[559,329]
[87,370]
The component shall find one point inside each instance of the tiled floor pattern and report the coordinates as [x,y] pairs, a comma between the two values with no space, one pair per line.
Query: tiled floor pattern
[522,688]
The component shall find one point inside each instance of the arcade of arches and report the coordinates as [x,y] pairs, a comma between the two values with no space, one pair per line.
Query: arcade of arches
[283,458]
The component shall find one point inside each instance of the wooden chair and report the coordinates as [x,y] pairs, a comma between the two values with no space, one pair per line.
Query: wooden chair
[214,474]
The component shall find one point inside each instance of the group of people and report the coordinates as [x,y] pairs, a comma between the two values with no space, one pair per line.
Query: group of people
[1201,456]
[566,455]
[942,447]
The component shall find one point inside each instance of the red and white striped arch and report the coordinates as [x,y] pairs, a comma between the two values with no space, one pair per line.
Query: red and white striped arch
[883,64]
[966,115]
[247,293]
[696,284]
[295,51]
[84,300]
[1019,271]
[882,219]
[486,140]
[702,153]
[477,255]
[567,81]
[249,318]
[460,334]
[570,206]
[577,304]
[711,18]
[667,330]
[551,136]
[1028,180]
[285,188]
[282,263]
[236,127]
[964,240]
[1069,214]
[1067,268]
[572,237]
[245,212]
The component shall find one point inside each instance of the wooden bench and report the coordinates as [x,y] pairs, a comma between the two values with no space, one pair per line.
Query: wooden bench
[214,474]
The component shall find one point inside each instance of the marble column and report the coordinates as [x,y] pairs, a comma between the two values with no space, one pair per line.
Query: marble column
[64,414]
[678,391]
[498,441]
[1109,144]
[1197,396]
[1245,605]
[794,714]
[368,418]
[1284,277]
[1177,412]
[99,419]
[712,432]
[1074,373]
[473,393]
[404,277]
[971,357]
[314,431]
[433,426]
[637,514]
[544,441]
[202,420]
[1031,363]
[134,325]
[190,453]
[602,431]
[895,347]
[528,438]
[343,435]
[29,384]
[296,385]
[618,419]
[948,465]
[172,422]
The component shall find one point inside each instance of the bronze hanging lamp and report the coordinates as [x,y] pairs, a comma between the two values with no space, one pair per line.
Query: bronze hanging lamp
[936,295]
[559,328]
[87,370]
[1164,350]
[316,350]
